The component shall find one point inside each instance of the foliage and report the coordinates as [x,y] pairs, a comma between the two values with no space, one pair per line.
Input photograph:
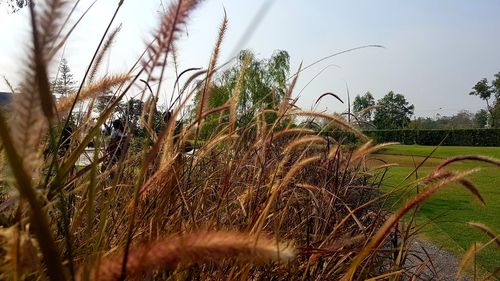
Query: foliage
[462,120]
[481,118]
[463,137]
[263,86]
[132,111]
[15,5]
[64,83]
[490,93]
[394,112]
[361,103]
[482,89]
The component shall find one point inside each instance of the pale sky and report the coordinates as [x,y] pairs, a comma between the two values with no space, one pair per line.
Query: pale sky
[435,51]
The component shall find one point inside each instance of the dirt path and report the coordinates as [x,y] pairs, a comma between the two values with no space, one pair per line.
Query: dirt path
[443,263]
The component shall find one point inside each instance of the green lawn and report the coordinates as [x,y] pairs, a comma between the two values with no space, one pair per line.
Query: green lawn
[448,211]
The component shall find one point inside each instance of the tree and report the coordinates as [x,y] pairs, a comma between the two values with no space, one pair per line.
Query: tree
[394,112]
[462,120]
[132,113]
[496,107]
[485,91]
[361,103]
[423,123]
[15,5]
[64,83]
[496,86]
[263,86]
[481,118]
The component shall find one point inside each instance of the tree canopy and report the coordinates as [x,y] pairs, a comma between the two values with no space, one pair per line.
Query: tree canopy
[64,82]
[490,93]
[394,112]
[361,103]
[263,84]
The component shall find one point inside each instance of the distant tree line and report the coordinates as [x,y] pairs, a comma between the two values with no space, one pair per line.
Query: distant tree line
[394,112]
[462,120]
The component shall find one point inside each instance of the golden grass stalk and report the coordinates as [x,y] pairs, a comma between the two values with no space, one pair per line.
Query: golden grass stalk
[377,239]
[192,248]
[28,126]
[473,250]
[18,253]
[486,231]
[468,157]
[92,91]
[171,22]
[296,167]
[37,215]
[205,96]
[341,123]
[285,104]
[50,22]
[367,148]
[466,259]
[105,47]
[235,97]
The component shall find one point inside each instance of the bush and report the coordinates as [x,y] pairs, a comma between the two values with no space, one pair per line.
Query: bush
[461,137]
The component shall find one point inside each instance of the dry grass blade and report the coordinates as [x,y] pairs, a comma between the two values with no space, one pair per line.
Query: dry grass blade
[468,157]
[368,149]
[466,259]
[487,231]
[192,248]
[285,104]
[105,47]
[40,67]
[391,221]
[328,94]
[334,120]
[50,21]
[92,91]
[237,92]
[170,26]
[37,215]
[205,96]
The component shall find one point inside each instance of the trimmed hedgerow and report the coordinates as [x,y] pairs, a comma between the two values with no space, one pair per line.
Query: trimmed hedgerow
[460,137]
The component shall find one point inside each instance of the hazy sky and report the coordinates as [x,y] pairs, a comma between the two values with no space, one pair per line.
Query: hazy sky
[435,51]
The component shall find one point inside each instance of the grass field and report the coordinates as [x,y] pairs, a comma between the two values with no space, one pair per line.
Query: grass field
[448,212]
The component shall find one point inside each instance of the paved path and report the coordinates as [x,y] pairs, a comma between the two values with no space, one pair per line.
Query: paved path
[443,262]
[86,157]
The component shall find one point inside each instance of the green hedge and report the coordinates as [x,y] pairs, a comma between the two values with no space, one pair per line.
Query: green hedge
[460,137]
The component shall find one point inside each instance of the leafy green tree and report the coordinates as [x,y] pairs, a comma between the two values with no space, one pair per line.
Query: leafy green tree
[495,84]
[263,86]
[423,123]
[481,118]
[132,111]
[264,81]
[462,120]
[64,83]
[485,92]
[496,107]
[394,112]
[361,103]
